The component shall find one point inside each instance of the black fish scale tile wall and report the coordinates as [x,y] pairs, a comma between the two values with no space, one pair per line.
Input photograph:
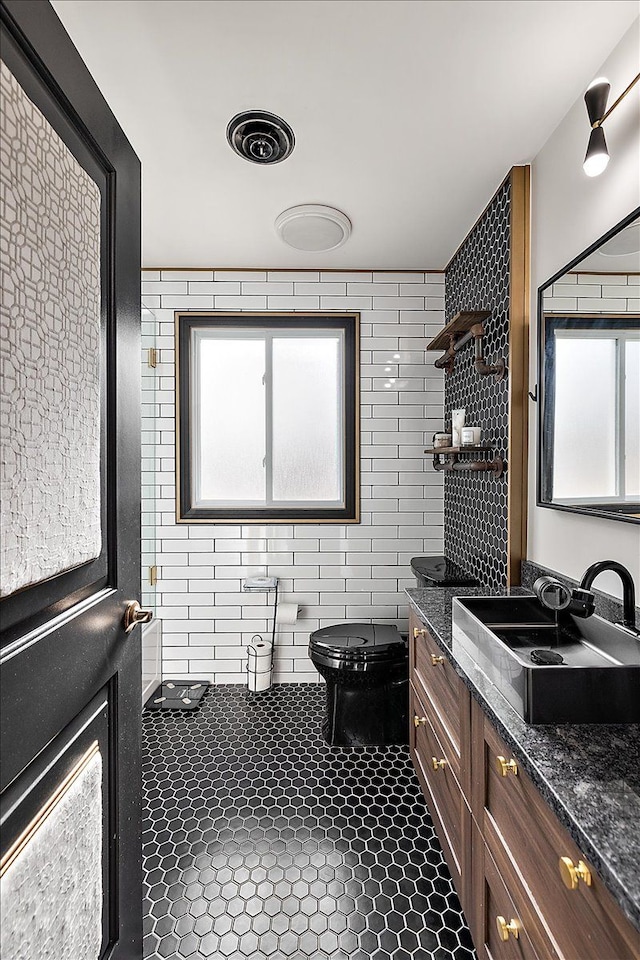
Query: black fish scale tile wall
[475,504]
[261,841]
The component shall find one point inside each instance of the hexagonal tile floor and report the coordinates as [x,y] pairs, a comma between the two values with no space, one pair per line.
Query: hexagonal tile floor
[260,841]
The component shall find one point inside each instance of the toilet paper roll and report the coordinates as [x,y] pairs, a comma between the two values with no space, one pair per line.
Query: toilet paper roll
[287,613]
[259,665]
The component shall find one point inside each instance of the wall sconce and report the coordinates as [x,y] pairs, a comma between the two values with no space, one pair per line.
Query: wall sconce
[597,156]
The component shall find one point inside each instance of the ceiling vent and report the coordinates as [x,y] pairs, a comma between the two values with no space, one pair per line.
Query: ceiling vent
[260,136]
[624,243]
[313,227]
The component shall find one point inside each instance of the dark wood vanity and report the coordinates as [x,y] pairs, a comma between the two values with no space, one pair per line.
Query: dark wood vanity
[526,888]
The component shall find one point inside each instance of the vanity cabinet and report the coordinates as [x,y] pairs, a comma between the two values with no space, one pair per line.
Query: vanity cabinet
[527,841]
[503,843]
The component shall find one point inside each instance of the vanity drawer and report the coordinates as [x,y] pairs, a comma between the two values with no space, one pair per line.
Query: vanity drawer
[447,694]
[500,915]
[446,803]
[518,826]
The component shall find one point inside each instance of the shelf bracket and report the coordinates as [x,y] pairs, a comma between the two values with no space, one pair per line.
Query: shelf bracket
[497,369]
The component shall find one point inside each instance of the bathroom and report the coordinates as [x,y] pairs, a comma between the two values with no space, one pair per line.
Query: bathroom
[265,802]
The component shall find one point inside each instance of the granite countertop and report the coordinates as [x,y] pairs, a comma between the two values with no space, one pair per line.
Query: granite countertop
[589,774]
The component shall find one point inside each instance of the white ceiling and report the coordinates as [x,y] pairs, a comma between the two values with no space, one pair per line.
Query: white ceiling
[407,113]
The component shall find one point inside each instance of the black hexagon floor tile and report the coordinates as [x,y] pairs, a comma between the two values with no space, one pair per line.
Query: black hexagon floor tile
[263,843]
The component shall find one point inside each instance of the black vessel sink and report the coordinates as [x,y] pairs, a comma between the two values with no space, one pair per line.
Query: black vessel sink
[564,671]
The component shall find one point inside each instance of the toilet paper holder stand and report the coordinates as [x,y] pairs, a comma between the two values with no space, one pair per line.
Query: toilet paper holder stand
[262,584]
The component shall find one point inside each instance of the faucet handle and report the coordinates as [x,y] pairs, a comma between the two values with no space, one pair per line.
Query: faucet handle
[583,603]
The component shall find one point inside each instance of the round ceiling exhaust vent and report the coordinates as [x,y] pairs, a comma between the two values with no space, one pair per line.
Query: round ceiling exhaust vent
[314,227]
[624,243]
[260,136]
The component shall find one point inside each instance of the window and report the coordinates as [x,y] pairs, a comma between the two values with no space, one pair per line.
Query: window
[268,418]
[595,392]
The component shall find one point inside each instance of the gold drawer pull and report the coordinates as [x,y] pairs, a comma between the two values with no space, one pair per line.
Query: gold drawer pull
[507,929]
[435,660]
[438,764]
[418,720]
[505,767]
[419,632]
[571,875]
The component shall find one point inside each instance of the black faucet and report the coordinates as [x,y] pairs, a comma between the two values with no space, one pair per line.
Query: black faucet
[628,589]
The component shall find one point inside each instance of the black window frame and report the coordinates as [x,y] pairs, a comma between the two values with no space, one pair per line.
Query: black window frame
[349,325]
[552,323]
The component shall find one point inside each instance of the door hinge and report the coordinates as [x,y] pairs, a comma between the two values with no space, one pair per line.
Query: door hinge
[153,575]
[152,357]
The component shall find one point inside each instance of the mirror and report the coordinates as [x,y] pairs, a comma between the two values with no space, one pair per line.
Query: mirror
[589,380]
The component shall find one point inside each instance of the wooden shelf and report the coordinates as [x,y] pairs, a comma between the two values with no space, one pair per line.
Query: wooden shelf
[461,323]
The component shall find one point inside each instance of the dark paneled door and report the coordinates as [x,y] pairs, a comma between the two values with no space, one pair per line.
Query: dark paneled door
[71,674]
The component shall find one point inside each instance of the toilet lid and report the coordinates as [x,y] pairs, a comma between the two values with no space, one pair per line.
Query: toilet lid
[359,640]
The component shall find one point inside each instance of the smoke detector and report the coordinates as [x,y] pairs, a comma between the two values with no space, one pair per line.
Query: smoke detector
[313,227]
[260,136]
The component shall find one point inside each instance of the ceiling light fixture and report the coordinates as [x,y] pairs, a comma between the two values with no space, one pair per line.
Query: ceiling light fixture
[313,227]
[597,156]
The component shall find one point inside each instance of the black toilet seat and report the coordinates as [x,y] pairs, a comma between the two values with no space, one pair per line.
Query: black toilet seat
[357,645]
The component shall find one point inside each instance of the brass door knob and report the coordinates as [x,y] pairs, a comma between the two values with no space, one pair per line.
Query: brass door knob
[505,767]
[419,632]
[418,720]
[438,764]
[134,615]
[572,874]
[507,930]
[435,660]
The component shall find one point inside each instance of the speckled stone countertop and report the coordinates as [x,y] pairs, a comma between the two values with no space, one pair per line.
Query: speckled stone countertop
[589,774]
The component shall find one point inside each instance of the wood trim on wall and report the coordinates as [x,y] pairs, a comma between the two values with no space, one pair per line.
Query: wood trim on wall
[519,300]
[324,269]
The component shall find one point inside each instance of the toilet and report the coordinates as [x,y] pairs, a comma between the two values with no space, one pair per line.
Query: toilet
[366,668]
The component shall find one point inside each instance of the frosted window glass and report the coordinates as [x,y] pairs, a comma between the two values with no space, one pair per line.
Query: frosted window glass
[52,892]
[584,461]
[49,349]
[230,407]
[307,437]
[632,420]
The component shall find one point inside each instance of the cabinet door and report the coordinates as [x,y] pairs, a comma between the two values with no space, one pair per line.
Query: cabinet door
[500,929]
[450,814]
[448,700]
[527,840]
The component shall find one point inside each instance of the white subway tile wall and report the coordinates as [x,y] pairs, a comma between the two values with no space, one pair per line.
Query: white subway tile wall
[589,292]
[335,572]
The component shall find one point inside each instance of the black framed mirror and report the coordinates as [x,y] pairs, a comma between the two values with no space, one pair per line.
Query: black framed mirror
[589,380]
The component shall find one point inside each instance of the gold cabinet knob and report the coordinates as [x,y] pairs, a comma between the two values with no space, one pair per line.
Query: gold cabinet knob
[507,930]
[572,874]
[419,632]
[505,767]
[435,660]
[438,764]
[418,720]
[133,615]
